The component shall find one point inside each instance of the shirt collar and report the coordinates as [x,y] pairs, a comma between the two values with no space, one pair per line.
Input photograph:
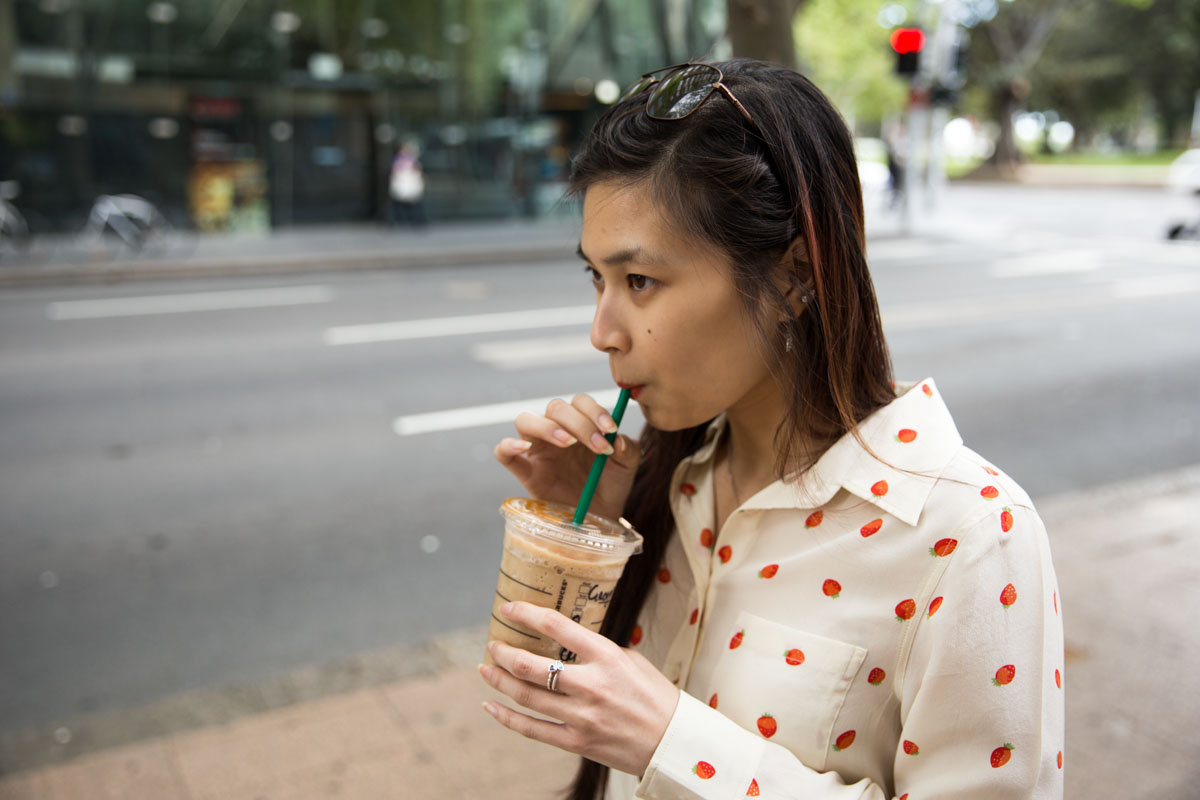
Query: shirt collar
[914,438]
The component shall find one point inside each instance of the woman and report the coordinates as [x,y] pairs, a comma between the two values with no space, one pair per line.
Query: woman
[836,599]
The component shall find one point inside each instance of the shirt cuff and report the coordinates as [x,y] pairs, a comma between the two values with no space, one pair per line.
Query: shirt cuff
[703,754]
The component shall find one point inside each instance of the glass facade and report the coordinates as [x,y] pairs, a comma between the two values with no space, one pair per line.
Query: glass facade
[241,115]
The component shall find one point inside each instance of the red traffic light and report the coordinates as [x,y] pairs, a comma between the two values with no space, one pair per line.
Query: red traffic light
[907,40]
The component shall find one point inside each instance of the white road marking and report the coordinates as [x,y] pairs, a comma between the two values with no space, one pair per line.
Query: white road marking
[184,303]
[457,326]
[1155,285]
[179,304]
[532,353]
[477,416]
[1053,263]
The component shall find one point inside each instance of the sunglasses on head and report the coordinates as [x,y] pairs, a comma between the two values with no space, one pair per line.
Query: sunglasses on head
[682,90]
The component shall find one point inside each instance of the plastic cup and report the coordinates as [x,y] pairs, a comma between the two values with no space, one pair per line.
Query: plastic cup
[551,562]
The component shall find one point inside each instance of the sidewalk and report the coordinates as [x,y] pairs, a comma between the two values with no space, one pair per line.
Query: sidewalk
[409,724]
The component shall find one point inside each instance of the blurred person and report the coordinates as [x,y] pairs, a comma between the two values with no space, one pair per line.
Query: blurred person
[837,599]
[406,188]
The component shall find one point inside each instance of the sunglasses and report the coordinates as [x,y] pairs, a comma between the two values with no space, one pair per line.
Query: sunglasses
[682,90]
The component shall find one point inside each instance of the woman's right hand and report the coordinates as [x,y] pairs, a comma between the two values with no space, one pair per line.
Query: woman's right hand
[554,453]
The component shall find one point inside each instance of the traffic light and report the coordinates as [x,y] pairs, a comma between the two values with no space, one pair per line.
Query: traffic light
[908,43]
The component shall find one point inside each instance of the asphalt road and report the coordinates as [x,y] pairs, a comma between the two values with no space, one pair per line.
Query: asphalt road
[194,495]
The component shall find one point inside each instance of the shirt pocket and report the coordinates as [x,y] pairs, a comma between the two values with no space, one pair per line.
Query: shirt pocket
[786,685]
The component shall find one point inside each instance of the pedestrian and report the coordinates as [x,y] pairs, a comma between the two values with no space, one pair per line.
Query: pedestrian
[836,598]
[406,188]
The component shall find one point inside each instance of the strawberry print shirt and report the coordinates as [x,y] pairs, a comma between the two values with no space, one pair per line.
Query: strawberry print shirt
[878,629]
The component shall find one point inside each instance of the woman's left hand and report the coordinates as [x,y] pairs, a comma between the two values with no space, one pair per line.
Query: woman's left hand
[613,704]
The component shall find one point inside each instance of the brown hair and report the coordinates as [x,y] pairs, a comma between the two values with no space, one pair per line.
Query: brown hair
[754,192]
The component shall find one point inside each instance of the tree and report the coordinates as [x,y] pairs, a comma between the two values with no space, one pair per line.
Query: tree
[763,29]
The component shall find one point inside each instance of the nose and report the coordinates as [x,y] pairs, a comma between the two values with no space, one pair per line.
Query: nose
[609,332]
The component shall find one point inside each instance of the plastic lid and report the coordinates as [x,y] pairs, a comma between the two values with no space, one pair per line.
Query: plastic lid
[556,521]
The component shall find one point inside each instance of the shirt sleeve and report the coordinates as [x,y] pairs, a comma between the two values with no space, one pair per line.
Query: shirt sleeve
[982,705]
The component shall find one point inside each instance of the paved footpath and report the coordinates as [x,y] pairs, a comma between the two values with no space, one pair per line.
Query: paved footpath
[409,724]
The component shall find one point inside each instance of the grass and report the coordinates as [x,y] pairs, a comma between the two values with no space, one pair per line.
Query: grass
[1117,159]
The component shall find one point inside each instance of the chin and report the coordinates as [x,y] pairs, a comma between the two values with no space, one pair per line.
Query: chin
[671,422]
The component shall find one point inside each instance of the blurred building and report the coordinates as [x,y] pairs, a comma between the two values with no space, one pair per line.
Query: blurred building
[239,115]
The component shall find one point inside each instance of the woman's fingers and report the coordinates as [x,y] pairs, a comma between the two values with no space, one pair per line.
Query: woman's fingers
[509,452]
[587,645]
[585,429]
[531,694]
[531,426]
[552,733]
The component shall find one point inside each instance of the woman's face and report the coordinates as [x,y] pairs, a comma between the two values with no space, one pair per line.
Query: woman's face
[668,314]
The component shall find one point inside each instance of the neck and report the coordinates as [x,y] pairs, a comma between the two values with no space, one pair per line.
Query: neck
[752,424]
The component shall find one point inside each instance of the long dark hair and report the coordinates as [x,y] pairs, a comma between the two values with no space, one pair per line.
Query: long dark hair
[789,184]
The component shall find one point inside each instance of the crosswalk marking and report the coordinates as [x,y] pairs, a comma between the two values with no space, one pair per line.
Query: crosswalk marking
[477,416]
[458,326]
[192,301]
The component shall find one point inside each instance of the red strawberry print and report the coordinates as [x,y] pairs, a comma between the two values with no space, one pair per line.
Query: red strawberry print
[687,489]
[911,748]
[1004,675]
[1056,602]
[843,741]
[831,588]
[753,790]
[1006,520]
[814,519]
[905,609]
[768,571]
[1001,755]
[906,435]
[725,553]
[1008,596]
[664,575]
[879,488]
[876,677]
[767,725]
[712,701]
[943,548]
[695,616]
[1060,759]
[704,770]
[925,388]
[991,471]
[706,538]
[904,796]
[934,605]
[989,492]
[794,657]
[636,637]
[1058,679]
[736,641]
[871,528]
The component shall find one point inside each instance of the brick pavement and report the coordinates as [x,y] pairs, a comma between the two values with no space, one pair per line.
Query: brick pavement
[1127,561]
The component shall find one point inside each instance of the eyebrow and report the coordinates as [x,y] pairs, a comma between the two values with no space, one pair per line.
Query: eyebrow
[630,255]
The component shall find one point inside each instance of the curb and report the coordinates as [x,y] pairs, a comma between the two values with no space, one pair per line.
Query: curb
[289,264]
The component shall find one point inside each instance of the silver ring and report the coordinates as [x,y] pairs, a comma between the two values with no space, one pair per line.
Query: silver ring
[552,673]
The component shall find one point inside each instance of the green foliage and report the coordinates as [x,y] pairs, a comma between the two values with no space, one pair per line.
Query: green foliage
[843,49]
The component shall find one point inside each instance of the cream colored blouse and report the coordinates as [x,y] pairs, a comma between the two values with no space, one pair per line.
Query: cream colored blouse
[884,628]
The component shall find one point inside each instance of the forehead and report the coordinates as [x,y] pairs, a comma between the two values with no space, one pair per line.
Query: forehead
[625,220]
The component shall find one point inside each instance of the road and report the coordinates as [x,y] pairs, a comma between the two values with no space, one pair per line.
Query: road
[211,486]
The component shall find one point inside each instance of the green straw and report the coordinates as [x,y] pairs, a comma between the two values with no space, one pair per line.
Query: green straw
[593,480]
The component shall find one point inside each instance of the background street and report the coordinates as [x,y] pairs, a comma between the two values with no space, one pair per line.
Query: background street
[212,487]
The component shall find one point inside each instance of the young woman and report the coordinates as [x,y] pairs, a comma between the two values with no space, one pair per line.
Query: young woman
[837,599]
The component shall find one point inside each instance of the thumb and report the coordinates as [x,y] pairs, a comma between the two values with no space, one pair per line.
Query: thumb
[627,452]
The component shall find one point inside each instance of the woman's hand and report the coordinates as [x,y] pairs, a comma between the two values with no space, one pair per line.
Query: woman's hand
[614,706]
[550,463]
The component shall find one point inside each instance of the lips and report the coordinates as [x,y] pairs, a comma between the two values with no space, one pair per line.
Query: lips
[635,389]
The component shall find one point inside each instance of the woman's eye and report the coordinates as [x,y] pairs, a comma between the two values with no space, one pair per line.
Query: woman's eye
[640,283]
[593,276]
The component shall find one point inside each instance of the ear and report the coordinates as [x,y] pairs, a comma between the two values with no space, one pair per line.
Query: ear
[795,278]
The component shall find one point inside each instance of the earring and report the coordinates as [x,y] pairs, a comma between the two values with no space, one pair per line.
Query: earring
[805,297]
[787,342]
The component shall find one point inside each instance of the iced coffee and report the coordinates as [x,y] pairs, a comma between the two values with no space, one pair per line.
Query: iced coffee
[551,562]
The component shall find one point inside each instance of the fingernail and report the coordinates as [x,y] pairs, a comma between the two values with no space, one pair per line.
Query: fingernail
[491,646]
[564,437]
[601,444]
[488,708]
[607,424]
[506,609]
[485,671]
[520,445]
